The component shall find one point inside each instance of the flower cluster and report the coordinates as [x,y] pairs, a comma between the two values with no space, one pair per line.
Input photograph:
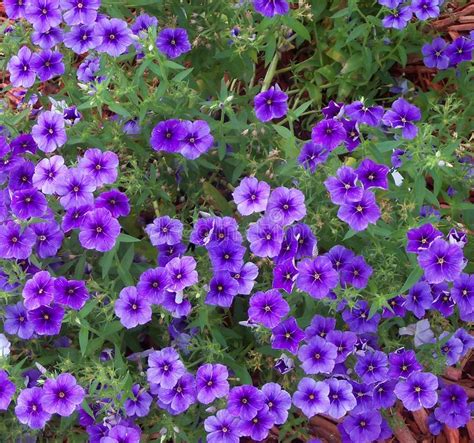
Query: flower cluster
[402,12]
[441,55]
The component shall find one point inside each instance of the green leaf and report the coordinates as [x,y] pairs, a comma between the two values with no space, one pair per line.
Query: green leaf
[298,27]
[83,339]
[220,201]
[125,238]
[413,278]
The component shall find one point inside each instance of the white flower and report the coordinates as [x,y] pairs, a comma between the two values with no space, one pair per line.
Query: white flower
[4,346]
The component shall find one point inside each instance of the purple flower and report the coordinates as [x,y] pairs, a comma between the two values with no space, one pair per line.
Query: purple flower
[23,143]
[452,349]
[270,8]
[382,394]
[164,230]
[345,343]
[341,398]
[16,321]
[402,115]
[115,202]
[197,139]
[399,18]
[311,397]
[173,42]
[362,114]
[72,293]
[7,389]
[47,319]
[319,356]
[372,175]
[340,257]
[320,327]
[402,364]
[265,237]
[434,54]
[343,188]
[181,396]
[48,172]
[39,290]
[222,290]
[467,340]
[43,14]
[278,402]
[139,404]
[76,12]
[363,427]
[87,70]
[62,395]
[29,408]
[245,401]
[101,166]
[21,174]
[422,237]
[363,394]
[453,409]
[358,318]
[462,292]
[225,228]
[329,133]
[152,285]
[287,335]
[132,308]
[425,9]
[316,276]
[211,382]
[419,299]
[74,217]
[222,428]
[49,132]
[114,35]
[284,276]
[267,308]
[312,155]
[457,237]
[47,64]
[16,242]
[47,39]
[356,273]
[460,50]
[258,427]
[99,230]
[359,214]
[352,134]
[182,273]
[251,196]
[372,367]
[142,23]
[227,256]
[168,135]
[271,104]
[418,391]
[21,72]
[119,434]
[165,368]
[166,253]
[28,203]
[245,277]
[441,261]
[285,206]
[15,9]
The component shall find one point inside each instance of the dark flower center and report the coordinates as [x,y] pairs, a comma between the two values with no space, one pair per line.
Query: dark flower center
[155,284]
[134,307]
[98,167]
[311,396]
[224,429]
[269,102]
[285,206]
[316,276]
[220,288]
[51,131]
[70,291]
[253,197]
[226,256]
[255,420]
[34,407]
[111,37]
[192,140]
[362,424]
[173,42]
[209,383]
[359,208]
[440,260]
[14,239]
[268,237]
[244,401]
[61,394]
[46,316]
[317,356]
[44,11]
[179,276]
[417,389]
[80,5]
[21,318]
[267,308]
[98,229]
[76,189]
[404,120]
[179,389]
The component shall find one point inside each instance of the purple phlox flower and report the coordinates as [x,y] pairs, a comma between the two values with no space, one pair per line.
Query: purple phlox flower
[132,308]
[176,304]
[389,3]
[371,115]
[429,211]
[48,172]
[62,395]
[460,50]
[101,166]
[418,391]
[352,139]
[164,368]
[285,206]
[333,110]
[21,174]
[359,214]
[99,230]
[225,228]
[21,72]
[341,398]
[453,409]
[132,127]
[16,242]
[441,261]
[312,155]
[284,364]
[222,428]
[287,335]
[419,299]
[139,404]
[182,273]
[363,394]
[72,293]
[115,202]
[258,427]
[153,284]
[29,408]
[15,9]
[16,321]
[329,133]
[320,327]
[173,42]
[166,253]
[363,427]
[121,433]
[442,300]
[434,425]
[356,273]
[227,256]
[288,248]
[114,35]
[49,132]
[340,257]
[43,14]
[396,307]
[265,237]
[87,70]
[422,237]
[457,237]
[47,64]
[397,157]
[23,144]
[467,340]
[278,402]
[271,104]
[270,8]
[76,12]
[305,240]
[246,277]
[211,382]
[268,308]
[434,54]
[245,401]
[197,139]
[222,290]
[319,356]
[47,39]
[462,292]
[316,276]
[38,290]
[284,276]
[452,349]
[402,115]
[398,18]
[343,188]
[344,342]
[142,23]
[7,389]
[168,135]
[28,203]
[251,195]
[358,318]
[372,175]
[312,397]
[47,320]
[372,367]
[165,230]
[74,217]
[425,9]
